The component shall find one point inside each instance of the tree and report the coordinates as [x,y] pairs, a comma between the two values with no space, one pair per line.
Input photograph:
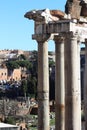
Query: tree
[32,85]
[11,65]
[10,120]
[24,87]
[34,56]
[22,57]
[34,61]
[51,63]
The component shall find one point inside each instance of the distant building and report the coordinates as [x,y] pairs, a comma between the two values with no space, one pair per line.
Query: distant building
[3,74]
[6,75]
[5,52]
[14,75]
[6,55]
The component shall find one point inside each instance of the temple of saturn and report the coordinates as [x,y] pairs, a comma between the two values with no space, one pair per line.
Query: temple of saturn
[68,30]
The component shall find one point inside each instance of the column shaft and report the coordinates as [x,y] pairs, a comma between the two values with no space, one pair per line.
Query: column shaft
[79,81]
[59,84]
[72,91]
[43,84]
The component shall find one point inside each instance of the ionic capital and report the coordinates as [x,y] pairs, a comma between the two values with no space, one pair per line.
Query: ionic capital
[59,38]
[71,35]
[40,38]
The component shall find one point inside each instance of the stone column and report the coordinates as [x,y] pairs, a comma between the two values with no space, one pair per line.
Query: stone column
[43,82]
[79,80]
[85,86]
[59,84]
[72,91]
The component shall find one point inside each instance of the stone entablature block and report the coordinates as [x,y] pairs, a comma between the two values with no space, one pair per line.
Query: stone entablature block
[63,26]
[54,22]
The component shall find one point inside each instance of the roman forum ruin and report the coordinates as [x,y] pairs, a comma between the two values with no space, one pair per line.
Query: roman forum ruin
[68,30]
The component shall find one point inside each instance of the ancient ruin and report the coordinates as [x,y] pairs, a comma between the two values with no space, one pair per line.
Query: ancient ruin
[68,30]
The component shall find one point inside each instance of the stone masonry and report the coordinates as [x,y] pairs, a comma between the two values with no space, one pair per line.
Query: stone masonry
[68,30]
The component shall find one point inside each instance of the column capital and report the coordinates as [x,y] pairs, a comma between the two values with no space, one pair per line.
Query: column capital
[73,35]
[41,37]
[59,38]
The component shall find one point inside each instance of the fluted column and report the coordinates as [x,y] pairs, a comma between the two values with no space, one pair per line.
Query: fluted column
[85,86]
[59,84]
[43,82]
[72,91]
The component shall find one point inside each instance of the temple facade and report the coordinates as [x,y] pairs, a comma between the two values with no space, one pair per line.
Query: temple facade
[68,30]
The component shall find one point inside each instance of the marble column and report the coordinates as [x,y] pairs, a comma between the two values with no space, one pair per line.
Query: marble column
[59,84]
[43,82]
[72,91]
[79,81]
[85,86]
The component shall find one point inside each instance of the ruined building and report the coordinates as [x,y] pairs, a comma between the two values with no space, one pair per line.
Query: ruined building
[68,30]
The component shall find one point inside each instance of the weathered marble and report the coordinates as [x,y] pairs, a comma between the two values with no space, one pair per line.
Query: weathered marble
[71,26]
[59,84]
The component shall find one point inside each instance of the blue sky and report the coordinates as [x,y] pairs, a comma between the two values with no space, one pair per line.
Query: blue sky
[15,30]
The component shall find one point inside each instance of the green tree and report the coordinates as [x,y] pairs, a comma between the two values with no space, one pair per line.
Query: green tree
[51,63]
[24,87]
[11,65]
[32,85]
[34,61]
[10,120]
[24,63]
[22,57]
[34,56]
